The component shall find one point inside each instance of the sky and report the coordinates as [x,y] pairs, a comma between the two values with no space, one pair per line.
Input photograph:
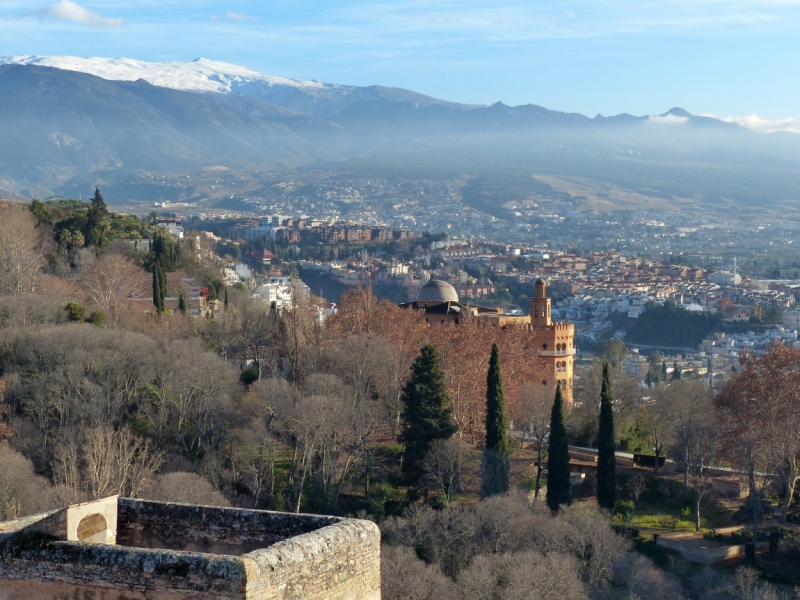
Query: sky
[734,59]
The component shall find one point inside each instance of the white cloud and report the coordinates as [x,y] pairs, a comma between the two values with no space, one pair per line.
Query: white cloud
[234,17]
[760,125]
[66,10]
[667,120]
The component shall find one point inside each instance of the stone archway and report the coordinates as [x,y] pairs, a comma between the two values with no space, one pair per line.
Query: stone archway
[93,528]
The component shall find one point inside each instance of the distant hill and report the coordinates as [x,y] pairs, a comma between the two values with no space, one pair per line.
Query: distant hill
[62,124]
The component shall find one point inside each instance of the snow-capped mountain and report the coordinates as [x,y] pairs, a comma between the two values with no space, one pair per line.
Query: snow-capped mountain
[209,76]
[200,75]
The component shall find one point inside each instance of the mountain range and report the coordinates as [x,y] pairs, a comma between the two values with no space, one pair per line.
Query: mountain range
[66,117]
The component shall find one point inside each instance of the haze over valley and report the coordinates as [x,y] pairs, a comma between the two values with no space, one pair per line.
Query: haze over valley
[125,124]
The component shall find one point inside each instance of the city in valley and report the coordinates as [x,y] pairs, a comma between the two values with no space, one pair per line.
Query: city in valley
[273,327]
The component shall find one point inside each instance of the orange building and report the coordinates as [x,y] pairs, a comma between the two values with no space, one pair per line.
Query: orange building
[554,343]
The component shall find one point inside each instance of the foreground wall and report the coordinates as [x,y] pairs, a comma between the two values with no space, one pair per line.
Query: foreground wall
[313,558]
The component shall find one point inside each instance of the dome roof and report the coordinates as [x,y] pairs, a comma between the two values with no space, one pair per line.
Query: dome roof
[437,291]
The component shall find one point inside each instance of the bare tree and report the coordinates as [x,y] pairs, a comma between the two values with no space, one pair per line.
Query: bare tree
[690,404]
[21,250]
[701,447]
[117,462]
[22,492]
[443,466]
[532,414]
[188,488]
[106,462]
[112,280]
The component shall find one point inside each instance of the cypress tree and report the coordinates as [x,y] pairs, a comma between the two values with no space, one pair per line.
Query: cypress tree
[158,289]
[182,304]
[676,372]
[226,298]
[496,463]
[426,415]
[664,370]
[558,484]
[606,461]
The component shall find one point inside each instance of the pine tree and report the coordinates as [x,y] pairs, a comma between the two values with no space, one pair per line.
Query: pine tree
[676,372]
[606,460]
[97,221]
[558,483]
[182,304]
[496,463]
[426,415]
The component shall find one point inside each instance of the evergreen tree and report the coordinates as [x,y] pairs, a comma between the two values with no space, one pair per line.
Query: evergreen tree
[663,370]
[98,221]
[496,463]
[558,484]
[426,415]
[676,372]
[182,304]
[648,380]
[226,298]
[158,289]
[606,461]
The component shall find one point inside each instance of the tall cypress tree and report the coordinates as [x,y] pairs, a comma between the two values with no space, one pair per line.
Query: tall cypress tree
[676,372]
[226,298]
[426,415]
[606,461]
[182,304]
[496,463]
[558,484]
[664,370]
[158,289]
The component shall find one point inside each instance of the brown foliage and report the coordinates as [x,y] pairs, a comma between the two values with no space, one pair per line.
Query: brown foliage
[760,414]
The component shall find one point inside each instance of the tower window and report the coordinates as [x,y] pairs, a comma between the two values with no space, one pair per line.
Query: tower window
[544,346]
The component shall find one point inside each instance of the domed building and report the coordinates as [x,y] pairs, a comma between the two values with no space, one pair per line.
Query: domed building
[554,342]
[436,291]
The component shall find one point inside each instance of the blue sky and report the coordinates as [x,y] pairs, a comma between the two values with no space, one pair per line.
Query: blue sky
[730,58]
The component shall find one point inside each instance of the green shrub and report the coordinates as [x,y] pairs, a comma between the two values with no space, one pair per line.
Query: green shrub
[97,318]
[624,510]
[75,311]
[249,376]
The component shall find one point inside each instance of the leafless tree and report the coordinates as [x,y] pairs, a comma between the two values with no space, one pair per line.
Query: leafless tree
[443,466]
[188,488]
[112,280]
[636,485]
[689,403]
[531,414]
[22,492]
[406,577]
[701,447]
[21,250]
[105,462]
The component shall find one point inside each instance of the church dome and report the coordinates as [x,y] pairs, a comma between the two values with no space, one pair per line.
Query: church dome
[437,291]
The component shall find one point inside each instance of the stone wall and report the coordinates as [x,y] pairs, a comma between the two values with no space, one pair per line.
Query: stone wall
[209,529]
[339,562]
[112,572]
[310,557]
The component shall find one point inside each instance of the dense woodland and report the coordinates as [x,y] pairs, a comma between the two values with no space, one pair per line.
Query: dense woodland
[106,393]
